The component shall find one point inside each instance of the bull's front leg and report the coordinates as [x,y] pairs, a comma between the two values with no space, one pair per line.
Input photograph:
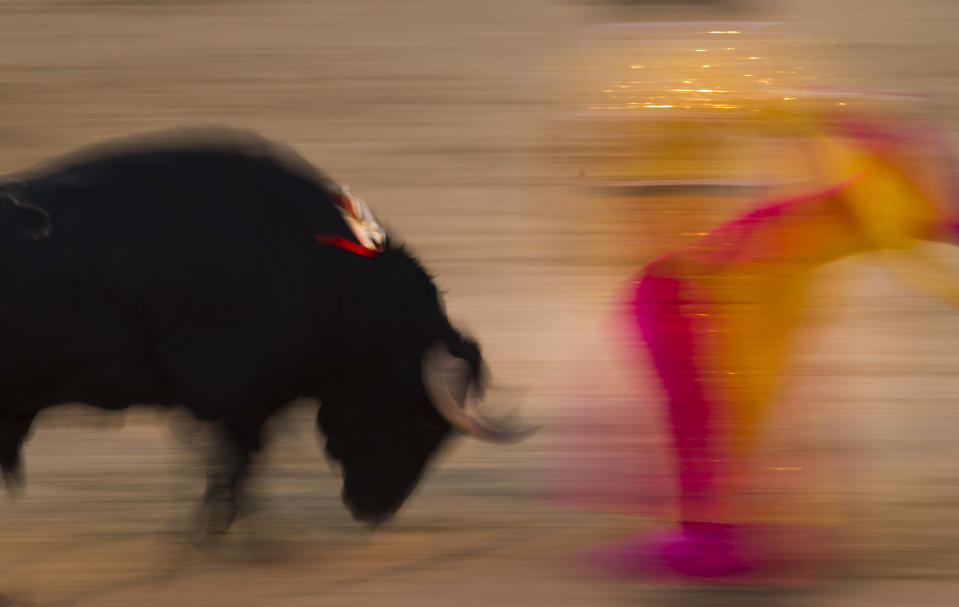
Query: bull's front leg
[228,468]
[14,430]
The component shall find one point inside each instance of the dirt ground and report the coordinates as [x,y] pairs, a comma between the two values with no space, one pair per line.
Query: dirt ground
[438,113]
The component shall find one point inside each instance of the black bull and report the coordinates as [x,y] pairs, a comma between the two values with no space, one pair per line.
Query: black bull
[184,271]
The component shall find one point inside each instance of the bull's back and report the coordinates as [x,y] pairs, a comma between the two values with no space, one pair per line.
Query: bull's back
[166,206]
[160,263]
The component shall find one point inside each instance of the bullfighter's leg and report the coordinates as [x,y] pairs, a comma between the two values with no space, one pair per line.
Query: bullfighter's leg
[13,432]
[714,318]
[237,441]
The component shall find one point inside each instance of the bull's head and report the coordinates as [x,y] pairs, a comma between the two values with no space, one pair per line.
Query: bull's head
[383,456]
[399,384]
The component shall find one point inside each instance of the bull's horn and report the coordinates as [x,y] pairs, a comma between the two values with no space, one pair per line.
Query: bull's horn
[446,379]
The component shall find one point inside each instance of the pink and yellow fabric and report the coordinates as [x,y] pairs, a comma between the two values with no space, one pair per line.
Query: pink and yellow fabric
[715,319]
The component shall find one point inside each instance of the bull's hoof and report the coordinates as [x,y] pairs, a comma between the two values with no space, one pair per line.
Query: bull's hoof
[216,515]
[14,481]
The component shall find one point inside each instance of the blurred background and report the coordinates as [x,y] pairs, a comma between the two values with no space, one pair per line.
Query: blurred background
[482,133]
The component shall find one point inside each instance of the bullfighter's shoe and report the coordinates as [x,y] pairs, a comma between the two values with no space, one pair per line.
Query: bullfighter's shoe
[713,554]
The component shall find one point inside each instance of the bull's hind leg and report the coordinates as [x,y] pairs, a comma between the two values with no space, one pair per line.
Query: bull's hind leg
[13,432]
